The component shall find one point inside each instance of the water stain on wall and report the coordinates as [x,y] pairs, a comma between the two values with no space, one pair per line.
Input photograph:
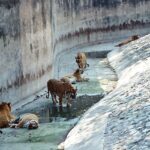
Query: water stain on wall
[88,31]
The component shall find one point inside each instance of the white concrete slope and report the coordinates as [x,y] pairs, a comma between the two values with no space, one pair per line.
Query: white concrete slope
[122,119]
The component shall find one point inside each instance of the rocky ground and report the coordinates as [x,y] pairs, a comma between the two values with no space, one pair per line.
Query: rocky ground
[121,120]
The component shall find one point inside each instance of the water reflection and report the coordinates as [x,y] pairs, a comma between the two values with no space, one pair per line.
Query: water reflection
[54,113]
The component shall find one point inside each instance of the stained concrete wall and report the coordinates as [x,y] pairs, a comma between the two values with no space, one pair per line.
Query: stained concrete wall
[87,21]
[34,32]
[25,46]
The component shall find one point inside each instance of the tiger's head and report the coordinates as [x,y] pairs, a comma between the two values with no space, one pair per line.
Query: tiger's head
[78,72]
[73,93]
[5,114]
[79,59]
[70,90]
[135,37]
[6,106]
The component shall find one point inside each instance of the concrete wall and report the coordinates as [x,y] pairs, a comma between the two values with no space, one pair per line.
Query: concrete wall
[25,46]
[34,32]
[86,21]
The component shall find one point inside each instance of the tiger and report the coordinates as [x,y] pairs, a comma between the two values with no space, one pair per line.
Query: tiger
[29,121]
[81,60]
[5,114]
[75,77]
[132,38]
[61,89]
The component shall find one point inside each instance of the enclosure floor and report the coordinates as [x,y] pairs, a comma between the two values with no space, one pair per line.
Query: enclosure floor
[102,79]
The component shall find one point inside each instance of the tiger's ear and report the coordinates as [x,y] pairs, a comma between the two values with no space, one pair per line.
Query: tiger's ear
[9,103]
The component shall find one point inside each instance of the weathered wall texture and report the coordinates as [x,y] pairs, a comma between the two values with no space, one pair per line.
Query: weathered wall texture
[34,32]
[25,46]
[86,21]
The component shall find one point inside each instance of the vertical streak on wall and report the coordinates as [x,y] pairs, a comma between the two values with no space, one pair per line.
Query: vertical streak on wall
[10,53]
[35,42]
[35,36]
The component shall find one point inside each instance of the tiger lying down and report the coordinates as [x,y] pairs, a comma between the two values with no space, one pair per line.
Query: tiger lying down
[130,39]
[29,121]
[75,77]
[61,89]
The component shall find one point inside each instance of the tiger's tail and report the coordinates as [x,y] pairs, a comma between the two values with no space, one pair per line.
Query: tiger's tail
[47,96]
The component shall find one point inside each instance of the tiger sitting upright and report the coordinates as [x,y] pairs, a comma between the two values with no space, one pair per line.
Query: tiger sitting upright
[81,60]
[5,114]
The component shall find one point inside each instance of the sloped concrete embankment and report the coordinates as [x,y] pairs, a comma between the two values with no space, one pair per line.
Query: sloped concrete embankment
[121,119]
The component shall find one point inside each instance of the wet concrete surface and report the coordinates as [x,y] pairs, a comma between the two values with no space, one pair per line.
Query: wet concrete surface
[55,122]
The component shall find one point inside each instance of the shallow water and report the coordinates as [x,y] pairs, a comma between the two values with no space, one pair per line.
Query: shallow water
[55,122]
